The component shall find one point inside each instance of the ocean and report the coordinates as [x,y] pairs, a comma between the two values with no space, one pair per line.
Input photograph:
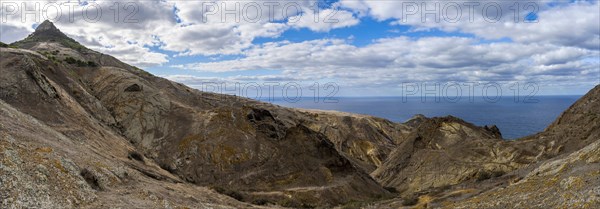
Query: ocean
[515,119]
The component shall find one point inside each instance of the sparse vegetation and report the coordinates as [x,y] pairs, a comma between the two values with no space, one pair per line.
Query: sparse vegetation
[80,63]
[51,56]
[410,200]
[294,204]
[92,64]
[65,41]
[3,44]
[71,60]
[438,190]
[484,175]
[231,193]
[357,205]
[260,202]
[72,44]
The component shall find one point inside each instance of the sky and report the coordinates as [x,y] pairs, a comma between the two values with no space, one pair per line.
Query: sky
[275,48]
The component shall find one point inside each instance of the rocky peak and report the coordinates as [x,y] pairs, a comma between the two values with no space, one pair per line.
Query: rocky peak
[47,32]
[416,120]
[46,26]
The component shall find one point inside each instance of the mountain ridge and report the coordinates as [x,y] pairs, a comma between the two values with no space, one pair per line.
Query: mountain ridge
[47,32]
[142,130]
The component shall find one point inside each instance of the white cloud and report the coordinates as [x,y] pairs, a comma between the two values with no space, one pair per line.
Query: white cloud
[324,20]
[568,24]
[561,47]
[388,62]
[560,56]
[109,33]
[130,53]
[186,32]
[12,33]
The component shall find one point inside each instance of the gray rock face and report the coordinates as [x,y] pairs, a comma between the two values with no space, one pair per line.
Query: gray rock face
[442,152]
[238,144]
[570,181]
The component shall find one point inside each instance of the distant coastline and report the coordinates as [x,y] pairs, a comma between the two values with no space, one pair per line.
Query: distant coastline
[515,120]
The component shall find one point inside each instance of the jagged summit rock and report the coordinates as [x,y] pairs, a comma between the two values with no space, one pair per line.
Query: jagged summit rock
[48,32]
[52,43]
[47,26]
[416,120]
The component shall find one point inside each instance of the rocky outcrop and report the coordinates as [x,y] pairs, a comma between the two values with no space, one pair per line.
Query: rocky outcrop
[575,128]
[447,151]
[571,181]
[255,152]
[47,32]
[366,141]
[443,152]
[539,171]
[241,146]
[567,172]
[41,167]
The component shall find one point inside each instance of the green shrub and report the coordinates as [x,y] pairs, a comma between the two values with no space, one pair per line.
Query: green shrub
[80,63]
[70,60]
[92,64]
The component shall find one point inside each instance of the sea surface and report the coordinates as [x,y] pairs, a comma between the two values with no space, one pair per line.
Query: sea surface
[514,118]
